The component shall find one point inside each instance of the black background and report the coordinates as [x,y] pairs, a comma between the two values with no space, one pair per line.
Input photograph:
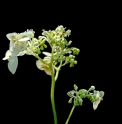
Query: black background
[25,96]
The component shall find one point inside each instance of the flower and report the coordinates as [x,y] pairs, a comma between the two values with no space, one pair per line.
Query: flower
[40,65]
[18,43]
[99,96]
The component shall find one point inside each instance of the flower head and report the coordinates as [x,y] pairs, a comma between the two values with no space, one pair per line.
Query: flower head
[18,43]
[40,65]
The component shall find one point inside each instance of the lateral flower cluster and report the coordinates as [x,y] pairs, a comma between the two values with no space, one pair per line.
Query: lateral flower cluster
[77,96]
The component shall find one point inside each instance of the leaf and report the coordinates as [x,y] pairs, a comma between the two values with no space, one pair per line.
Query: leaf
[12,64]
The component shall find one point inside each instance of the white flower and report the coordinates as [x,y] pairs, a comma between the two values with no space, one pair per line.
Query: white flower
[99,96]
[29,33]
[12,37]
[18,44]
[40,65]
[43,66]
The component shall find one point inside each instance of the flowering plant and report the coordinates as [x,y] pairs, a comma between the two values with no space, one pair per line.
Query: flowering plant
[61,54]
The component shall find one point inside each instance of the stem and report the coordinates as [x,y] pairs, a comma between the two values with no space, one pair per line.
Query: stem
[70,114]
[57,71]
[39,58]
[52,92]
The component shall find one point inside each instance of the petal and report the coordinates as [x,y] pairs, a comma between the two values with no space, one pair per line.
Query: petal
[7,55]
[39,65]
[15,52]
[48,72]
[12,36]
[22,53]
[11,45]
[12,64]
[21,35]
[47,54]
[30,33]
[20,45]
[47,59]
[95,104]
[24,39]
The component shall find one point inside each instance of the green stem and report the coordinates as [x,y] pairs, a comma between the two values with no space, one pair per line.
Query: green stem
[70,114]
[57,71]
[52,92]
[39,58]
[53,101]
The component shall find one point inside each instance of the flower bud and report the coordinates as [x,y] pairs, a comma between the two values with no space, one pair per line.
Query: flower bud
[75,87]
[70,100]
[92,88]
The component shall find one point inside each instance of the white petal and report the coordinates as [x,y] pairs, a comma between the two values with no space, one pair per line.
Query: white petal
[95,104]
[48,72]
[24,39]
[12,64]
[47,59]
[39,65]
[20,45]
[11,36]
[47,54]
[7,55]
[30,33]
[11,45]
[22,53]
[15,52]
[42,66]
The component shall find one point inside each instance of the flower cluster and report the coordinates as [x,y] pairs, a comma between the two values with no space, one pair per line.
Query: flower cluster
[26,43]
[78,96]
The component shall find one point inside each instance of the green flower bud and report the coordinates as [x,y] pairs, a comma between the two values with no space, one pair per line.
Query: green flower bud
[80,100]
[83,93]
[45,33]
[92,88]
[45,46]
[75,62]
[70,100]
[75,51]
[71,93]
[71,65]
[68,32]
[70,42]
[75,87]
[71,60]
[37,51]
[41,48]
[70,56]
[76,103]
